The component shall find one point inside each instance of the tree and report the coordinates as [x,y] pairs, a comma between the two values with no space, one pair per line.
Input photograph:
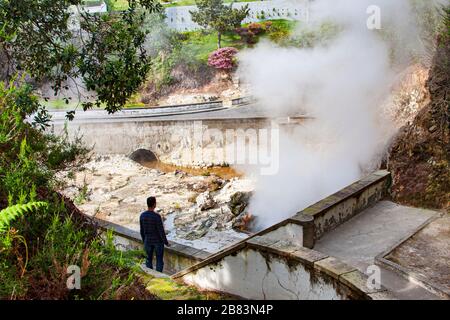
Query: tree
[106,53]
[216,15]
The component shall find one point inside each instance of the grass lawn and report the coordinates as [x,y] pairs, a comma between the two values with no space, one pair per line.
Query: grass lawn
[121,5]
[179,3]
[117,5]
[60,104]
[168,289]
[92,2]
[201,43]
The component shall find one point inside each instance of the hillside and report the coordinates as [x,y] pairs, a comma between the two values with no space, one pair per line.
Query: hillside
[419,156]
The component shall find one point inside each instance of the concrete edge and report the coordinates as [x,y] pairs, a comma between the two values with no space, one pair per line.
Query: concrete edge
[373,178]
[407,237]
[212,258]
[407,274]
[414,277]
[334,268]
[321,207]
[175,248]
[196,107]
[154,273]
[343,273]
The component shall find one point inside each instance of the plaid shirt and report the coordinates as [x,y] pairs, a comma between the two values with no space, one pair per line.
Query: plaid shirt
[152,228]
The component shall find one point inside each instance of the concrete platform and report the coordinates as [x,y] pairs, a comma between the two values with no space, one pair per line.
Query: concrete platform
[372,232]
[425,257]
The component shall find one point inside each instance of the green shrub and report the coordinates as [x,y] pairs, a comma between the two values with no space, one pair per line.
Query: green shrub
[12,212]
[41,234]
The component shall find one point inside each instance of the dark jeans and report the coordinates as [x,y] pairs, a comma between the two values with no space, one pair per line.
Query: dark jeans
[159,250]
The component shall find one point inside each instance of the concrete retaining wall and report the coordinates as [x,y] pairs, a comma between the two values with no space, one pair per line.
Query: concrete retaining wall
[325,215]
[177,257]
[182,142]
[341,206]
[276,263]
[268,269]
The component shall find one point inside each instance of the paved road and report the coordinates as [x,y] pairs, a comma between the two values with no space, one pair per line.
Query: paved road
[193,112]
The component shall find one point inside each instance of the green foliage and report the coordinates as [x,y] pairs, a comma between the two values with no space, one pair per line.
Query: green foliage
[12,212]
[305,36]
[117,5]
[280,30]
[216,15]
[176,3]
[108,53]
[82,195]
[39,236]
[28,157]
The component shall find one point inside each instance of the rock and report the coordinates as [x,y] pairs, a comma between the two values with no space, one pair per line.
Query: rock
[236,210]
[201,229]
[238,202]
[216,184]
[199,205]
[198,187]
[129,200]
[195,234]
[243,221]
[179,173]
[205,201]
[432,129]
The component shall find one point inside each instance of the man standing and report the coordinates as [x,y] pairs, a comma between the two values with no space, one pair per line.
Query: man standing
[153,235]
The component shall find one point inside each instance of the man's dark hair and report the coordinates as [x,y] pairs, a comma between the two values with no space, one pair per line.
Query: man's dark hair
[151,202]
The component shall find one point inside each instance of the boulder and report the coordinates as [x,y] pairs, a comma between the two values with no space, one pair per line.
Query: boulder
[243,221]
[205,201]
[238,202]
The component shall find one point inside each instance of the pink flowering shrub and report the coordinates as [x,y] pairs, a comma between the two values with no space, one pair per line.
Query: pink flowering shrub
[223,58]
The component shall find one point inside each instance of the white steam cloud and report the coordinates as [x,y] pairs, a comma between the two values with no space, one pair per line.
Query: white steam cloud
[343,85]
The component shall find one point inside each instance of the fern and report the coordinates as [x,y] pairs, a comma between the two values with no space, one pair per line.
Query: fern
[12,212]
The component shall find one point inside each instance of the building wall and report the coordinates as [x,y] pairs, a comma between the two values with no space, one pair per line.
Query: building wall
[179,18]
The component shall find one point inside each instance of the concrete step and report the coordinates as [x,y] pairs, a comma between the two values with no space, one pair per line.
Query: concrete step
[154,273]
[374,231]
[404,289]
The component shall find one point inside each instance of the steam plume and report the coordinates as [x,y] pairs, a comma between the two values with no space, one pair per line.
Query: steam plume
[343,84]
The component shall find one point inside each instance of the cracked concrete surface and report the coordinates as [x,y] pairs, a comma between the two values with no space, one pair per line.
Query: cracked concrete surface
[373,231]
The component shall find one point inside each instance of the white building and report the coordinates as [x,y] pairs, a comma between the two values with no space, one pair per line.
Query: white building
[179,18]
[96,8]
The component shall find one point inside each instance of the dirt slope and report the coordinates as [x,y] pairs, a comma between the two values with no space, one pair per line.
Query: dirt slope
[419,156]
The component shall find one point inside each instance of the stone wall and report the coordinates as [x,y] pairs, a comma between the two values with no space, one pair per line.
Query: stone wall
[183,142]
[310,224]
[177,257]
[276,263]
[334,210]
[179,18]
[271,269]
